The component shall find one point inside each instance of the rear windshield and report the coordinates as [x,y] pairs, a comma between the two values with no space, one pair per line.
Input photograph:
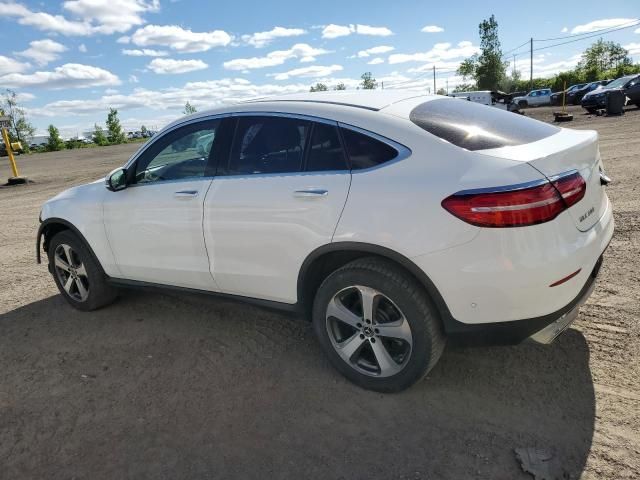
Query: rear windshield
[473,126]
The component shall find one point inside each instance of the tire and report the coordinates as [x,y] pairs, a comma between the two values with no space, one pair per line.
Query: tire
[86,281]
[591,110]
[523,104]
[399,303]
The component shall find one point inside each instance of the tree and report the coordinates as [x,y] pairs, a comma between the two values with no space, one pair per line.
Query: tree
[115,135]
[20,130]
[441,91]
[487,69]
[368,82]
[602,56]
[189,109]
[99,137]
[464,87]
[340,86]
[54,142]
[318,87]
[143,130]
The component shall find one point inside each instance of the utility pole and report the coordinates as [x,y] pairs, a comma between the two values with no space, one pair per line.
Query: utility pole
[434,78]
[382,83]
[531,65]
[447,85]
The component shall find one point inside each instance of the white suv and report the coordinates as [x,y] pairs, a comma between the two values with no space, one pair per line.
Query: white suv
[392,221]
[535,98]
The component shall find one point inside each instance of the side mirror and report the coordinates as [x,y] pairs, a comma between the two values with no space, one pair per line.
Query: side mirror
[116,180]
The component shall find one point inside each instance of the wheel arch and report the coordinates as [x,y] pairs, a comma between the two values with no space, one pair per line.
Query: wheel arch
[328,258]
[52,226]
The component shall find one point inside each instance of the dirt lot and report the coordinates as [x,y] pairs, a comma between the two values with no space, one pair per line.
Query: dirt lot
[182,386]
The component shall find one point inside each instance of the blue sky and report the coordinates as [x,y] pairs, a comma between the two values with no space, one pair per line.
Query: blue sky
[70,61]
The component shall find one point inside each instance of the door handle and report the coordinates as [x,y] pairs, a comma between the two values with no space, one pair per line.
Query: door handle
[186,194]
[311,192]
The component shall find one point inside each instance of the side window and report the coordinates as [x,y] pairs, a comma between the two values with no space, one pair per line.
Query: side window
[325,151]
[181,154]
[268,145]
[533,94]
[365,151]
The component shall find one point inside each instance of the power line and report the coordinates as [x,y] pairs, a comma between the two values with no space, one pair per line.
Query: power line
[633,23]
[583,38]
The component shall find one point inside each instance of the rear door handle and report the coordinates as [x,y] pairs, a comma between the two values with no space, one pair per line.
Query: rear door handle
[186,194]
[311,192]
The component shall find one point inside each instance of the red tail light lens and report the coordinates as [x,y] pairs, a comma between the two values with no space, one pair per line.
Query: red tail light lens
[516,206]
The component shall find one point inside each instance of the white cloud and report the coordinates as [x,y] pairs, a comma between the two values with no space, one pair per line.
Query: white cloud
[375,61]
[145,52]
[439,52]
[600,24]
[125,39]
[261,39]
[637,30]
[303,51]
[432,29]
[133,79]
[335,31]
[375,51]
[43,51]
[633,48]
[111,16]
[111,91]
[9,65]
[179,39]
[82,48]
[94,16]
[564,30]
[313,71]
[543,69]
[69,75]
[171,66]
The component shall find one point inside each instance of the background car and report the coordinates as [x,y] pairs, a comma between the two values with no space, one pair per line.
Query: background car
[574,97]
[556,98]
[535,98]
[628,85]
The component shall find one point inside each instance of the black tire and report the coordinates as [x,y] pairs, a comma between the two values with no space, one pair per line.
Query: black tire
[591,110]
[523,104]
[100,293]
[411,299]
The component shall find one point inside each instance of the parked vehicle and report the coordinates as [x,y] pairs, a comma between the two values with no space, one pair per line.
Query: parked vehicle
[16,148]
[556,98]
[485,97]
[575,97]
[629,85]
[392,221]
[535,98]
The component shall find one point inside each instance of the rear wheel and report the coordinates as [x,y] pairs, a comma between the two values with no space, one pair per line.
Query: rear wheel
[377,325]
[591,110]
[77,274]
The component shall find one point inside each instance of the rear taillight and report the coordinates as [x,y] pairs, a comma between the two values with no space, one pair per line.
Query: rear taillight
[517,205]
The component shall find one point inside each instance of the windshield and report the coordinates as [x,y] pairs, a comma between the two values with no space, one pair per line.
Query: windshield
[473,126]
[619,82]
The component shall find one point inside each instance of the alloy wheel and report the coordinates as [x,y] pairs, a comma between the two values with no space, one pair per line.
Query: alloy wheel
[368,331]
[71,272]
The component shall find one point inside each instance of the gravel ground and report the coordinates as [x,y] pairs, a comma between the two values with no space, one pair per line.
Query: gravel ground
[168,385]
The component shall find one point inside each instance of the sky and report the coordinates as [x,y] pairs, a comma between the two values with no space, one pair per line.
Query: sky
[71,61]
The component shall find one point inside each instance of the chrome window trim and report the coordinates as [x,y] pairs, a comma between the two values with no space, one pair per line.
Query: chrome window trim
[298,116]
[517,186]
[403,152]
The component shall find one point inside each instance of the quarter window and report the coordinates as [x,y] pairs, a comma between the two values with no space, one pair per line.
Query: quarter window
[325,151]
[365,151]
[268,145]
[181,154]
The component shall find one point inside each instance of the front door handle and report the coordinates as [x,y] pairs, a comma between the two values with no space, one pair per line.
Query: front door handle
[311,192]
[186,194]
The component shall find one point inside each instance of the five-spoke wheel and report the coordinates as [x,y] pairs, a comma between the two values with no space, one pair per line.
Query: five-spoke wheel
[71,272]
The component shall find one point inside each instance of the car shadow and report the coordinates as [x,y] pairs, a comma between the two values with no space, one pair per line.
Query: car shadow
[183,386]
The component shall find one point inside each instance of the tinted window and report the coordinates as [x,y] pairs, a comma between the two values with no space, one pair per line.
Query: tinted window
[325,151]
[477,127]
[182,153]
[365,151]
[268,145]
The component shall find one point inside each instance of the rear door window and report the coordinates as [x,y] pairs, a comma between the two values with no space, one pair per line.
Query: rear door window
[473,126]
[325,150]
[365,151]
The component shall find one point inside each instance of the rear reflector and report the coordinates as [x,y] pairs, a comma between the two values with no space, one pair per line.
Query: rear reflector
[517,205]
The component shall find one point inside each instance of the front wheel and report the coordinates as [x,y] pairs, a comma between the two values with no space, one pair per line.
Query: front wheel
[78,276]
[377,325]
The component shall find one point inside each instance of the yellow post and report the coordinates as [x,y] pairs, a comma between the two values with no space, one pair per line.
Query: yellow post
[12,161]
[563,95]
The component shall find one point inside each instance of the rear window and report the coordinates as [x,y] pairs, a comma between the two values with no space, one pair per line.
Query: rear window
[473,126]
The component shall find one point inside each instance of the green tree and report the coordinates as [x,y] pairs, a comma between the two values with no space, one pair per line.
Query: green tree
[318,87]
[99,137]
[340,86]
[487,69]
[441,91]
[189,109]
[115,135]
[143,130]
[464,87]
[54,142]
[368,82]
[20,130]
[602,56]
